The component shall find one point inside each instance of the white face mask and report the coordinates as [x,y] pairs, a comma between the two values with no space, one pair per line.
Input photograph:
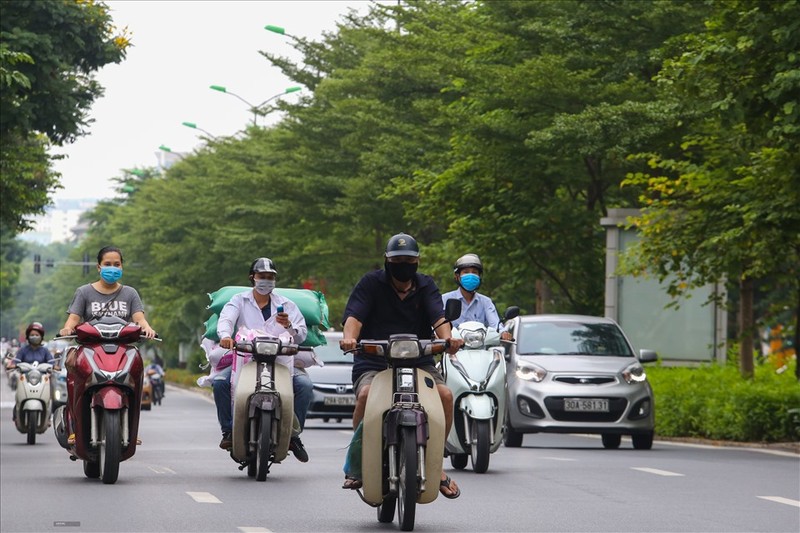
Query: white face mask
[264,286]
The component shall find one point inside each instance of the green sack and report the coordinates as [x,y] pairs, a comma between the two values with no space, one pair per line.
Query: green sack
[211,328]
[312,304]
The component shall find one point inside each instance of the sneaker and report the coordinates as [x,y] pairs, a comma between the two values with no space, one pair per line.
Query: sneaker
[226,443]
[297,448]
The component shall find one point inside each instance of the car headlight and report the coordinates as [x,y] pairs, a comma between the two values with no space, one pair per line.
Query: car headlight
[634,373]
[34,377]
[474,339]
[530,372]
[404,349]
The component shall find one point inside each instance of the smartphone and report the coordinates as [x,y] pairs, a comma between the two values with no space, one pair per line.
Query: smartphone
[280,309]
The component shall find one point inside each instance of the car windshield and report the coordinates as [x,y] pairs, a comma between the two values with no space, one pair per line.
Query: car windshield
[331,354]
[571,338]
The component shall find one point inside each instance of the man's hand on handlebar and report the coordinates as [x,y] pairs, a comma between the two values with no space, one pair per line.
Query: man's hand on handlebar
[348,344]
[453,345]
[227,343]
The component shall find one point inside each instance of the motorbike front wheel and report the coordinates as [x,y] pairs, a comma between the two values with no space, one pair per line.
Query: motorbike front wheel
[481,442]
[32,418]
[264,446]
[408,486]
[110,447]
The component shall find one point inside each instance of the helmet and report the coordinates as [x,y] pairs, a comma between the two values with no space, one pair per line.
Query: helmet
[402,244]
[263,264]
[468,261]
[34,326]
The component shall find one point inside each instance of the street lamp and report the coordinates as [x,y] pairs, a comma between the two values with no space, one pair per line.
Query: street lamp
[254,108]
[196,127]
[278,30]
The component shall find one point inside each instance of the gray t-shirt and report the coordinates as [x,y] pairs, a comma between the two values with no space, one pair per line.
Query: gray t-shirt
[88,303]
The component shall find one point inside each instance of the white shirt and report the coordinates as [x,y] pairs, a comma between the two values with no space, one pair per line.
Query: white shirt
[242,310]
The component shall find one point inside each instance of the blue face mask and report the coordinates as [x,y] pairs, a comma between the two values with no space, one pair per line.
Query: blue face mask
[470,282]
[110,274]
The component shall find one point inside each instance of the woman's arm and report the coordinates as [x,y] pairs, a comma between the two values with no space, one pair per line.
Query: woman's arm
[69,326]
[138,318]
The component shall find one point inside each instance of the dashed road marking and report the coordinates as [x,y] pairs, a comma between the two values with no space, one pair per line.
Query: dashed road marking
[559,458]
[778,499]
[246,529]
[204,497]
[161,469]
[656,471]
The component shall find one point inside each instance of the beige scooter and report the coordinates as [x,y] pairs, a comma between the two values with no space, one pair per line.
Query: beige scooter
[263,407]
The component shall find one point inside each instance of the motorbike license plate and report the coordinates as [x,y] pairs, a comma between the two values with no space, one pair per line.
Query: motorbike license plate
[586,404]
[340,400]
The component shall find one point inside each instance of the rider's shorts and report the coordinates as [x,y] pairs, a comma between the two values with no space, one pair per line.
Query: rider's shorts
[366,378]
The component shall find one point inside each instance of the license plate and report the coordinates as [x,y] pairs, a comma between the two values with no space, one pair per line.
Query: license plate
[586,404]
[340,400]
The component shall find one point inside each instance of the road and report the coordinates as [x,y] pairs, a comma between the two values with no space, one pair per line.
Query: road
[180,481]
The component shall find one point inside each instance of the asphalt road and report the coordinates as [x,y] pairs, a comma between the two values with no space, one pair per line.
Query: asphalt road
[180,481]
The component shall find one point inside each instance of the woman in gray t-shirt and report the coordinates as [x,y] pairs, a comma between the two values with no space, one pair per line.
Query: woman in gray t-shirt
[107,297]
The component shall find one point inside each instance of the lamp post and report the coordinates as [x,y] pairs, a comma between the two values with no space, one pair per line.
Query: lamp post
[254,108]
[279,30]
[196,127]
[166,157]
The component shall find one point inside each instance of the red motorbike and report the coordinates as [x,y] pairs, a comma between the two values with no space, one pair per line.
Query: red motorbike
[105,395]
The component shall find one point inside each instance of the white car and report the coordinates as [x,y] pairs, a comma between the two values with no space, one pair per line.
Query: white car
[577,374]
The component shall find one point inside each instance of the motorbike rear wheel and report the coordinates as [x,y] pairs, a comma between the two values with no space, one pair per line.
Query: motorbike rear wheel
[32,418]
[91,469]
[264,446]
[408,486]
[459,460]
[480,449]
[110,447]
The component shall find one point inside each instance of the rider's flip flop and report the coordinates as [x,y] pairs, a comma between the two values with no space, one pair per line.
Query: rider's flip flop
[354,484]
[445,483]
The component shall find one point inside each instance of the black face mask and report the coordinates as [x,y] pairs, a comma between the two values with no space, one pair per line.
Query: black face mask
[401,271]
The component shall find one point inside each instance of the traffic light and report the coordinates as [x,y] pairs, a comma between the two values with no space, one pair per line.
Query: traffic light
[49,263]
[85,263]
[37,263]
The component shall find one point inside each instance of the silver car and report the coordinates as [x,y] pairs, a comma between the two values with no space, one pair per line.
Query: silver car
[577,374]
[333,385]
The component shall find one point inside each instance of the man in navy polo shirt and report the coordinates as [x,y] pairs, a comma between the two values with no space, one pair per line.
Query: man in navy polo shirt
[396,300]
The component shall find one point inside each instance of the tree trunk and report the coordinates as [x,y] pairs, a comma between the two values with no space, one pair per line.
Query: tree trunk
[746,328]
[542,296]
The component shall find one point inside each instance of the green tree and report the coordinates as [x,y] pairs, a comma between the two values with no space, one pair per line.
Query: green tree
[726,206]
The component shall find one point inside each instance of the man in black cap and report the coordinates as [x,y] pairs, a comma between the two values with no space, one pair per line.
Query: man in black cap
[396,300]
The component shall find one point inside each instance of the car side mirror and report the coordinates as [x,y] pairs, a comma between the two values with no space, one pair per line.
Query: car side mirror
[511,312]
[648,356]
[452,309]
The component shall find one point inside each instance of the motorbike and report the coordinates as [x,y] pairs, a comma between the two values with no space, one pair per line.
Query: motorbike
[476,375]
[11,372]
[263,405]
[105,397]
[32,399]
[157,382]
[403,428]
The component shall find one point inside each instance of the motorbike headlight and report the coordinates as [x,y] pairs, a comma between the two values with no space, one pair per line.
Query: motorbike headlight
[474,339]
[634,373]
[34,377]
[404,349]
[530,372]
[58,395]
[266,347]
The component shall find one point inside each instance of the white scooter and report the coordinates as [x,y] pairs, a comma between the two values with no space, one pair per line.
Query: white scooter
[32,406]
[476,375]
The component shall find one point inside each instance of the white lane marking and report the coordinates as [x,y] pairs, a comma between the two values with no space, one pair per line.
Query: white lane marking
[6,405]
[559,458]
[778,499]
[161,469]
[203,497]
[656,471]
[349,433]
[246,529]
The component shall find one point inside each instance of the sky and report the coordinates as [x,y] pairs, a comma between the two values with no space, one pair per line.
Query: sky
[179,49]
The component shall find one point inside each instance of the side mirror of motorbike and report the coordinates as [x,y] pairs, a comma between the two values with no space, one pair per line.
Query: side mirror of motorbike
[452,309]
[511,312]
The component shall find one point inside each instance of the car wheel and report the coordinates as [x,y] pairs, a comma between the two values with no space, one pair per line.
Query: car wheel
[326,420]
[611,441]
[511,438]
[642,441]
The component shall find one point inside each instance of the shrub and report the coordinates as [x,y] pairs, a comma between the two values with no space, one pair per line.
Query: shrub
[715,402]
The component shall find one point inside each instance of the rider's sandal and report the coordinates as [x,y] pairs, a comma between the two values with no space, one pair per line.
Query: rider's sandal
[445,483]
[352,483]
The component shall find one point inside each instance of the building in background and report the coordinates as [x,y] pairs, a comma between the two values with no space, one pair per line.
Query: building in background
[60,222]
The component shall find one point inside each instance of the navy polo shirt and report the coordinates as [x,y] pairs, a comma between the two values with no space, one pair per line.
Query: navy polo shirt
[377,306]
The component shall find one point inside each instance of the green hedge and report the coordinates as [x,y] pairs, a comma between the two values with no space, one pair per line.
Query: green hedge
[715,402]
